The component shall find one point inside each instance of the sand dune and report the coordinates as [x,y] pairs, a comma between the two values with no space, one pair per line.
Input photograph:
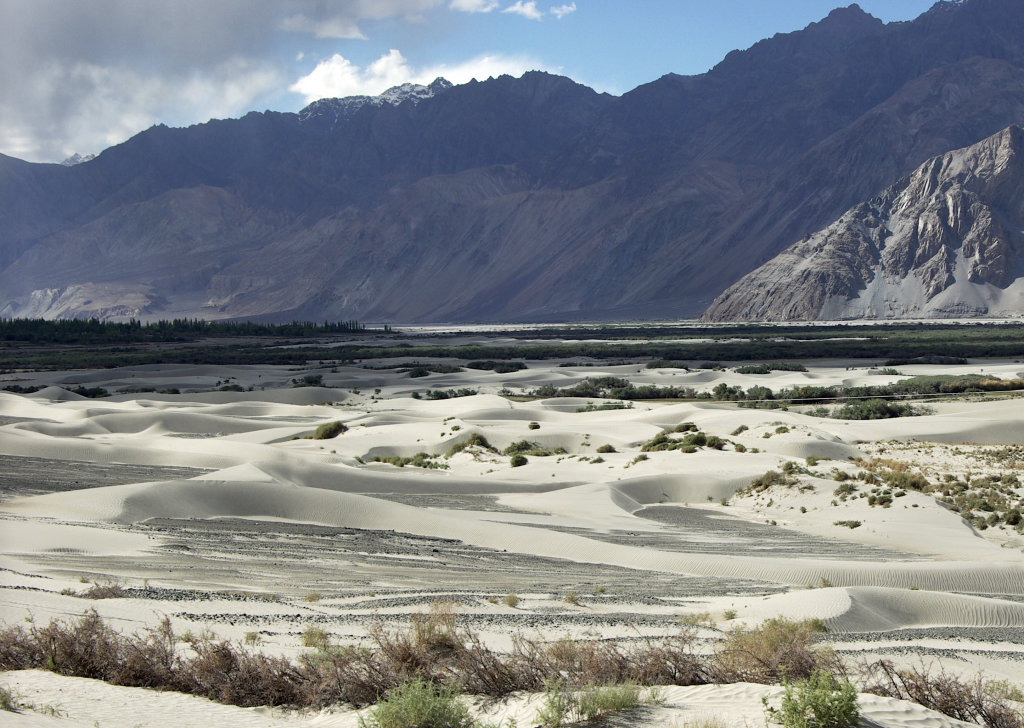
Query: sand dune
[278,500]
[571,513]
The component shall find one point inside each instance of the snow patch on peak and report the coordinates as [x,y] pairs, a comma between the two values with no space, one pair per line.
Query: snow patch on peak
[77,158]
[340,110]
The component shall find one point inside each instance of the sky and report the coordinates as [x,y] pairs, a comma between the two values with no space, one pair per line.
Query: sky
[82,75]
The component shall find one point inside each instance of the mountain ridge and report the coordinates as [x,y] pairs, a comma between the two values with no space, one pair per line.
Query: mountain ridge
[943,241]
[515,199]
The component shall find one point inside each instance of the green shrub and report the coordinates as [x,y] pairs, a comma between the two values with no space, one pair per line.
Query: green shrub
[739,430]
[715,442]
[315,637]
[8,702]
[849,524]
[533,426]
[739,447]
[877,409]
[821,701]
[606,449]
[329,431]
[420,704]
[518,461]
[563,707]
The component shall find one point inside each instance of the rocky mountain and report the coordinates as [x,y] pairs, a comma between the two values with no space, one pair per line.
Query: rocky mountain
[944,241]
[77,158]
[524,199]
[331,112]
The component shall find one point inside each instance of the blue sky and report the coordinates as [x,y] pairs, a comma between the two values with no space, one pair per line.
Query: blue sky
[82,75]
[610,45]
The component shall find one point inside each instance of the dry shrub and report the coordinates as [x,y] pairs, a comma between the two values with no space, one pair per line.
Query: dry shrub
[972,700]
[779,649]
[88,647]
[103,591]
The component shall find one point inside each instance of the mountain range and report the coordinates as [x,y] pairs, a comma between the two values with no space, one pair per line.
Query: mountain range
[519,199]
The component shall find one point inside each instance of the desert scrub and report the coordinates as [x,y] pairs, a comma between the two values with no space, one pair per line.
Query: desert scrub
[510,600]
[605,449]
[419,460]
[563,706]
[822,701]
[474,440]
[739,431]
[328,431]
[777,649]
[849,524]
[517,461]
[766,481]
[419,704]
[102,591]
[970,699]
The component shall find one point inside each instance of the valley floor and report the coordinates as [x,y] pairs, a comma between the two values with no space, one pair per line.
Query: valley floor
[216,509]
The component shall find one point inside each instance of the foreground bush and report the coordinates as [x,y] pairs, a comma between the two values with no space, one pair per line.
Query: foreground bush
[972,700]
[777,650]
[420,704]
[563,706]
[426,663]
[820,701]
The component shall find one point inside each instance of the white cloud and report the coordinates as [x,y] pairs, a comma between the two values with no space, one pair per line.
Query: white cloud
[79,76]
[562,10]
[110,104]
[474,6]
[526,9]
[299,56]
[328,28]
[337,76]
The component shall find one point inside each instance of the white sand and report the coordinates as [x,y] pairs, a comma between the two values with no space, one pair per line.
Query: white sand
[566,507]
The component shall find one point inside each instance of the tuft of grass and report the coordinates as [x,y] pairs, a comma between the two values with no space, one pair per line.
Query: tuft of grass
[418,703]
[604,449]
[8,701]
[517,461]
[328,431]
[313,597]
[849,524]
[729,614]
[739,430]
[252,638]
[510,600]
[316,637]
[572,598]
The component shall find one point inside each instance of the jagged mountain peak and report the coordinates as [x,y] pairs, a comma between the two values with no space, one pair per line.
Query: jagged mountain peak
[77,158]
[944,241]
[339,110]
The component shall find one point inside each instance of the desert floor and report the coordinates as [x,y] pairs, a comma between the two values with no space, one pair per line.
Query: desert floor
[211,507]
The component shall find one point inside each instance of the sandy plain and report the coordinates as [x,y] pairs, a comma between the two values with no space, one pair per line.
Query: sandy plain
[211,508]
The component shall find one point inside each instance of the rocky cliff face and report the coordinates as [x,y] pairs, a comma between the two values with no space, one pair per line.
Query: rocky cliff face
[512,199]
[945,241]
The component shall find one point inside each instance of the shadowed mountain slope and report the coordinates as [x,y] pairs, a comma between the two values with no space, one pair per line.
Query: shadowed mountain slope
[511,199]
